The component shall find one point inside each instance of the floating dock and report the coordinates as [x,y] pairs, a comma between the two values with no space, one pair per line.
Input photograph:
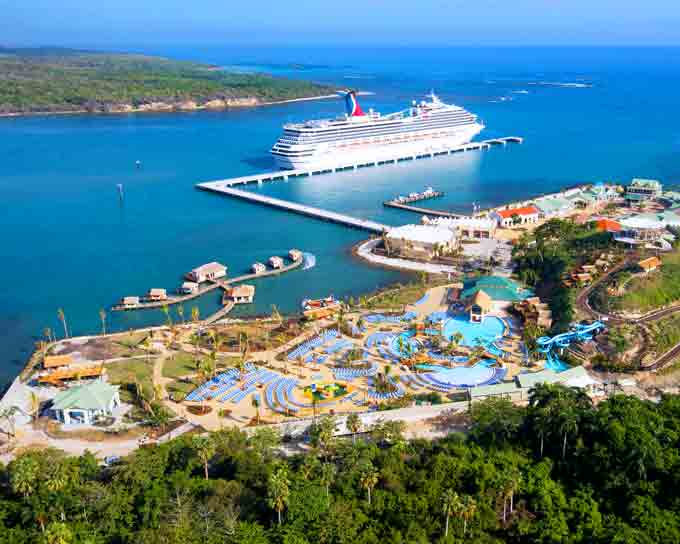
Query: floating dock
[325,215]
[415,197]
[383,159]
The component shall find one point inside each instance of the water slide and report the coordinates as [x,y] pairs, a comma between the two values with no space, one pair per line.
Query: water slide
[579,333]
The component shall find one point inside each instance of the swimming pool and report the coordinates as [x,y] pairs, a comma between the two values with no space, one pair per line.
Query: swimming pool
[460,376]
[486,332]
[411,345]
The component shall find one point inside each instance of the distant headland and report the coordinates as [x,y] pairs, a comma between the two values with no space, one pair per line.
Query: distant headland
[63,81]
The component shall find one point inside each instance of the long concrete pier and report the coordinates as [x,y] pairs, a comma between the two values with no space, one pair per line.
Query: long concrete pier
[325,215]
[386,157]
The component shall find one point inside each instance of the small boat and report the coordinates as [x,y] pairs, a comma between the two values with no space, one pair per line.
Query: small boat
[310,303]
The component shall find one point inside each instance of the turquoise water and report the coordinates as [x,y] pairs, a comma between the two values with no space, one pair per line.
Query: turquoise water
[473,333]
[554,363]
[67,241]
[461,375]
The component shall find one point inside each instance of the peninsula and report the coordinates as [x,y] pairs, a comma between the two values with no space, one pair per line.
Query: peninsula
[55,80]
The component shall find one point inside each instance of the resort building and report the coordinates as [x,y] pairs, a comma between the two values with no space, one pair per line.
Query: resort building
[157,294]
[503,292]
[516,216]
[534,311]
[642,190]
[607,225]
[520,388]
[240,294]
[189,288]
[421,241]
[650,264]
[207,272]
[475,228]
[549,207]
[478,306]
[129,302]
[56,361]
[276,262]
[82,404]
[258,268]
[295,254]
[648,229]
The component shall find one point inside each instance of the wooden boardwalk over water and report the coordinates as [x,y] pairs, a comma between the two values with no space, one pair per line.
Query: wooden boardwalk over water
[212,285]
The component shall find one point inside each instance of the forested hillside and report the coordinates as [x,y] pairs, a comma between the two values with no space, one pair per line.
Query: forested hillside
[58,80]
[560,470]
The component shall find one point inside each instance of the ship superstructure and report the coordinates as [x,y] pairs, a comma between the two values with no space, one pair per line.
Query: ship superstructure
[425,126]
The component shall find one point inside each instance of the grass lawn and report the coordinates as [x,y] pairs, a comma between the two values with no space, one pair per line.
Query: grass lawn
[665,333]
[125,373]
[659,288]
[179,389]
[180,364]
[404,294]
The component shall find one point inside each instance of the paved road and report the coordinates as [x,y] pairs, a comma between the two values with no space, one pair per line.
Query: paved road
[583,304]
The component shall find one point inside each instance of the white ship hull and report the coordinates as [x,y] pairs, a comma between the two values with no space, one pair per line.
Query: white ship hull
[333,157]
[356,138]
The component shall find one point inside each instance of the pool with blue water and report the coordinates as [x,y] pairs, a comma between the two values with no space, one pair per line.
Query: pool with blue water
[490,329]
[461,376]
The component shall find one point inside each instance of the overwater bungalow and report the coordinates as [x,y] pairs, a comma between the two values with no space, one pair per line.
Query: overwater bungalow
[240,294]
[258,268]
[156,294]
[129,302]
[207,272]
[276,262]
[295,254]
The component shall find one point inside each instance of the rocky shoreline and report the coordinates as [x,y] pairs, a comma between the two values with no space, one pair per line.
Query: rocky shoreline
[218,104]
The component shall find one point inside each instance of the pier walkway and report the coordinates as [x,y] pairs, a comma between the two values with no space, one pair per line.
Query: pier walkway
[326,215]
[420,210]
[383,158]
[213,284]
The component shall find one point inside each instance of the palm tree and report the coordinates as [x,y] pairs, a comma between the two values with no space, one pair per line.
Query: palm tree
[102,317]
[180,312]
[9,416]
[24,475]
[279,491]
[353,423]
[166,311]
[469,507]
[368,480]
[451,504]
[255,403]
[62,317]
[195,314]
[47,333]
[33,405]
[276,316]
[315,405]
[205,449]
[328,471]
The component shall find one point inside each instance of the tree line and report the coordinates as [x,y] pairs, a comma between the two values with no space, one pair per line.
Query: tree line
[558,470]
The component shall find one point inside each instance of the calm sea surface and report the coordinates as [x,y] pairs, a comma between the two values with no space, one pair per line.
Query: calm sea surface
[585,114]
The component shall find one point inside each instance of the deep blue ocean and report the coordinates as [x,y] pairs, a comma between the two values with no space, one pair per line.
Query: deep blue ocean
[586,115]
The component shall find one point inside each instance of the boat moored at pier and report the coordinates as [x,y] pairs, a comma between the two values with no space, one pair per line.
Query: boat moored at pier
[422,128]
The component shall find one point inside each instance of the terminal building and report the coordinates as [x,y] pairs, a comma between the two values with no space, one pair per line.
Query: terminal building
[642,190]
[473,228]
[421,241]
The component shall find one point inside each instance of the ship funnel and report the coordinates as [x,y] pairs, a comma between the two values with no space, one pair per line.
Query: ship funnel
[352,104]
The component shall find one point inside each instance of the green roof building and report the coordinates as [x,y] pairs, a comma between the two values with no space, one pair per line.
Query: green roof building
[81,404]
[641,190]
[499,288]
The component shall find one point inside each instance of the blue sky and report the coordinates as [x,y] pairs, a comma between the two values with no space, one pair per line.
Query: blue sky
[299,22]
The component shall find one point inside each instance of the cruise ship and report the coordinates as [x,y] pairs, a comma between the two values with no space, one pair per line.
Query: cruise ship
[425,126]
